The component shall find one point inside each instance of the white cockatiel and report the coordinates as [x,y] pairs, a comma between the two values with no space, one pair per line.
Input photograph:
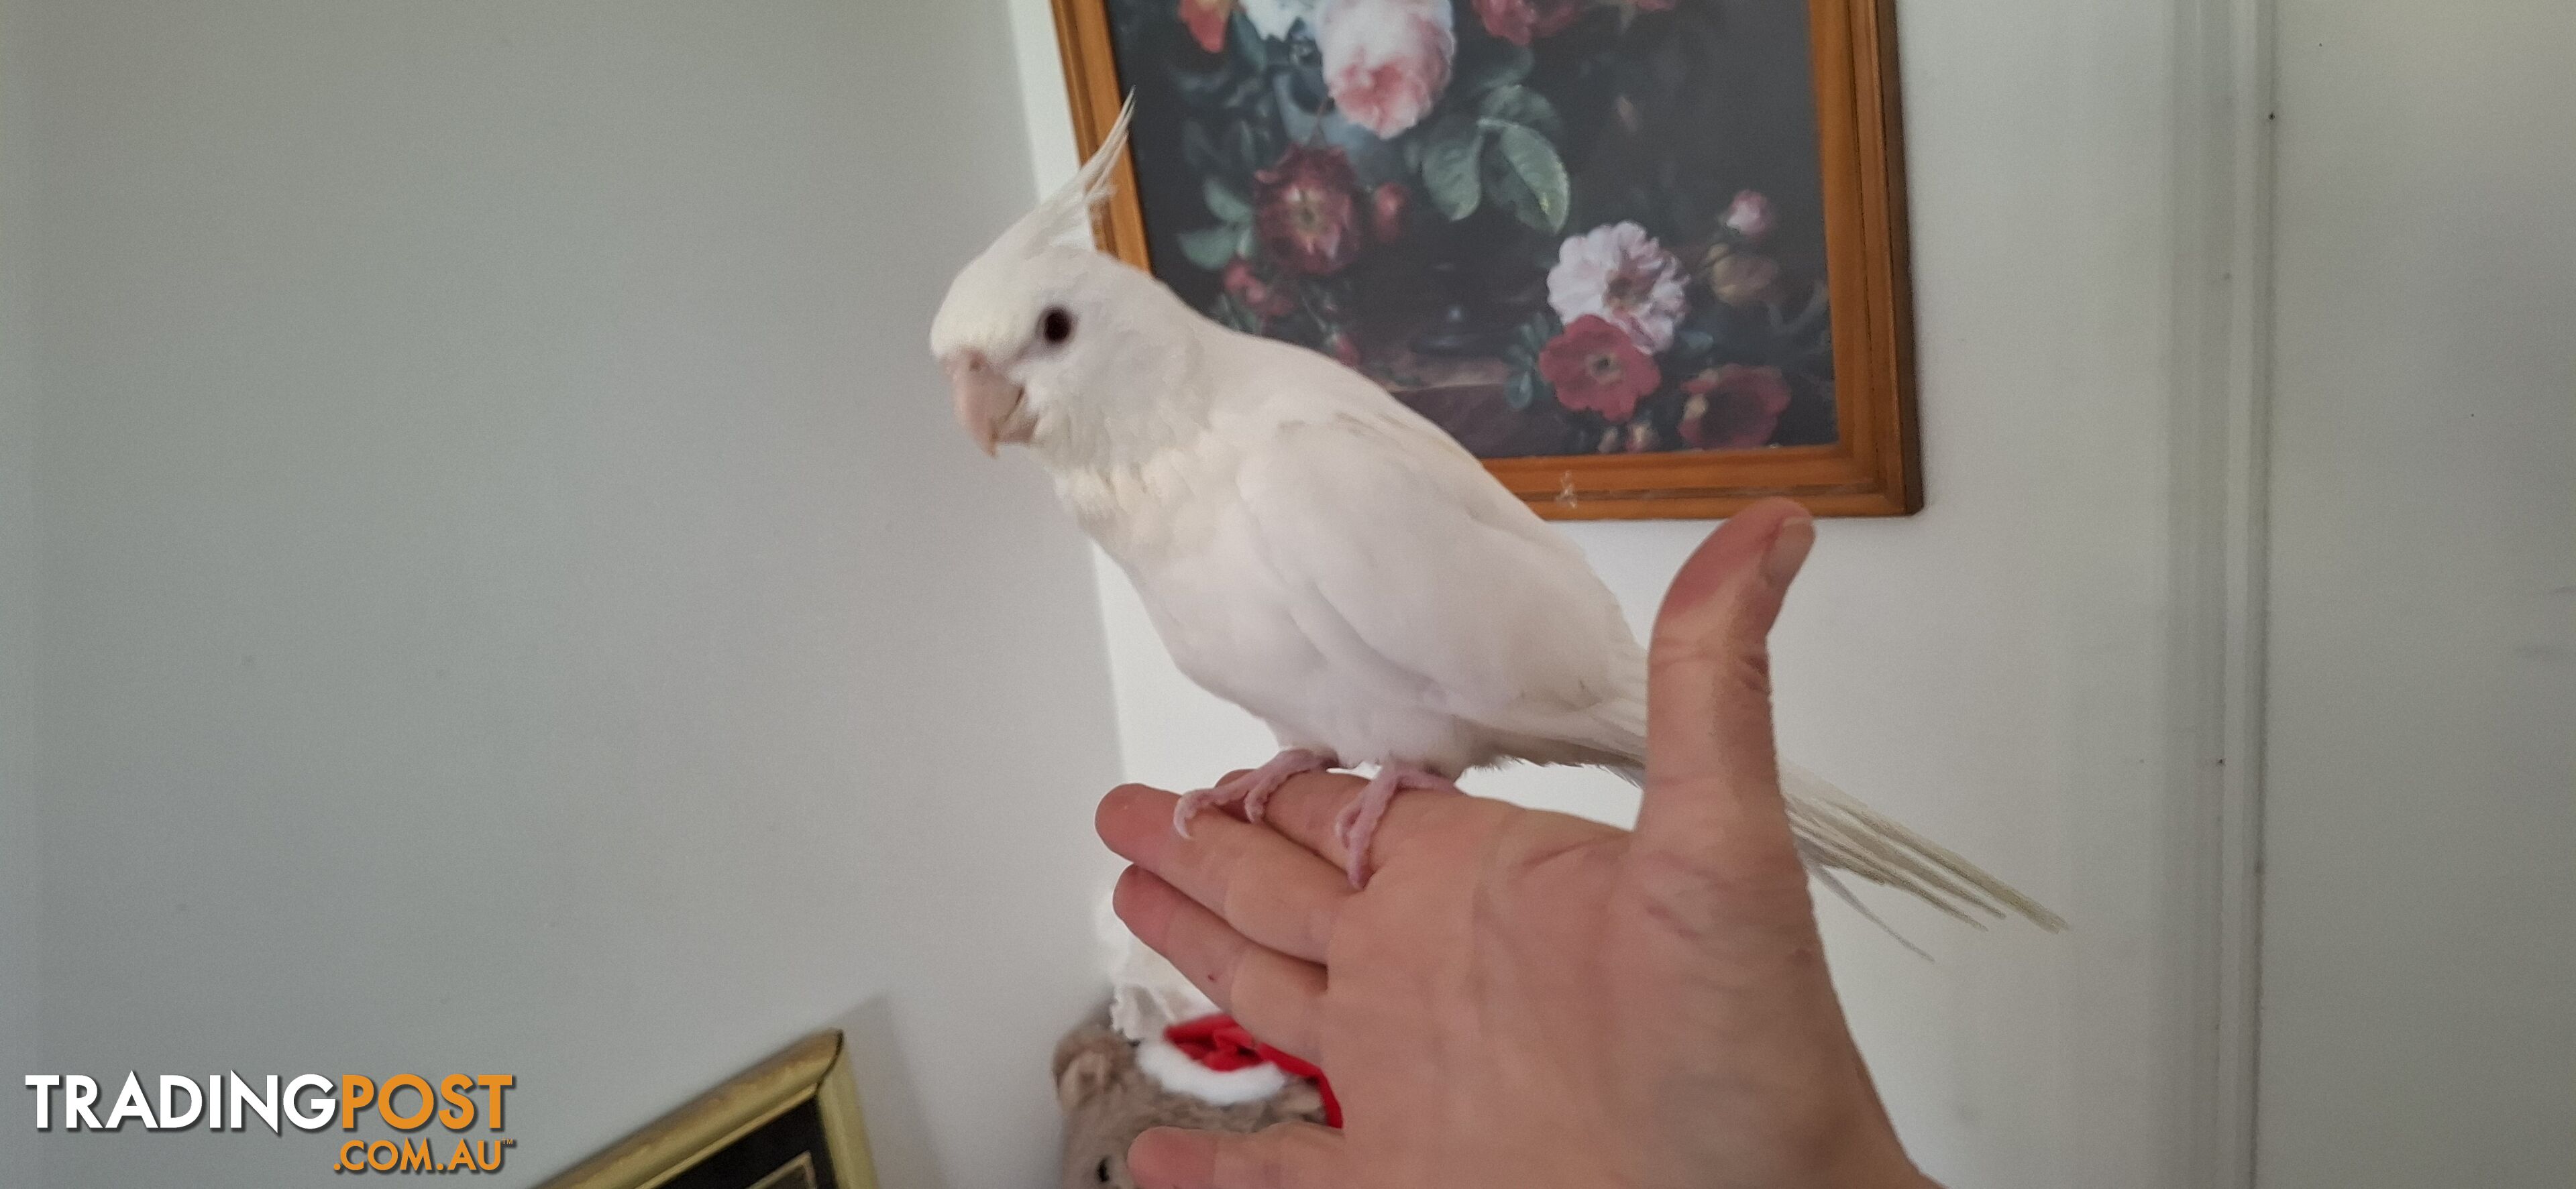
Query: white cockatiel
[1320,555]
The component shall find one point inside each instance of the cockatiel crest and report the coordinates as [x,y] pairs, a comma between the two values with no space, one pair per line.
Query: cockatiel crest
[1049,343]
[1315,552]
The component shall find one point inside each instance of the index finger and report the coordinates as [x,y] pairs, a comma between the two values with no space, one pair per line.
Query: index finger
[1261,883]
[1303,810]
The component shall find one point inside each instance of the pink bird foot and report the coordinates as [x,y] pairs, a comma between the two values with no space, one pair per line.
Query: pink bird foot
[1356,827]
[1252,789]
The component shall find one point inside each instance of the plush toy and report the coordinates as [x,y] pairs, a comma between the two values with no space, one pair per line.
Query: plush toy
[1159,1054]
[1111,1100]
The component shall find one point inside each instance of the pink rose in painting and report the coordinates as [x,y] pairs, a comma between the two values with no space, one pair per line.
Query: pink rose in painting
[1749,215]
[1595,366]
[1620,273]
[1733,407]
[1386,211]
[1521,21]
[1206,19]
[1386,61]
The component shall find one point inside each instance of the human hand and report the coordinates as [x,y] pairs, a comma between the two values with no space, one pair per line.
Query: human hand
[1525,998]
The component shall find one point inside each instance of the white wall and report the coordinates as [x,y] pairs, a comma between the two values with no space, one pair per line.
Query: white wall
[2420,855]
[1995,670]
[513,598]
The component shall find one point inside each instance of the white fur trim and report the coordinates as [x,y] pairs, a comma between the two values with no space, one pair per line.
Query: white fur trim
[1168,1065]
[1146,993]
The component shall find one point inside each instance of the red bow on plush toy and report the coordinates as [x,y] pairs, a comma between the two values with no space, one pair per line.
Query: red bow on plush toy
[1224,1046]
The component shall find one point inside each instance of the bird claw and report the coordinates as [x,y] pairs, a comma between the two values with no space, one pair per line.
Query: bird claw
[1252,789]
[1355,827]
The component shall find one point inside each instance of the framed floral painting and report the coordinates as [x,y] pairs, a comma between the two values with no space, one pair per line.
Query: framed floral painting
[1644,257]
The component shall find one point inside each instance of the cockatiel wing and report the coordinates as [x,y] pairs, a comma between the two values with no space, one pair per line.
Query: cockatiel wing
[1412,570]
[1355,508]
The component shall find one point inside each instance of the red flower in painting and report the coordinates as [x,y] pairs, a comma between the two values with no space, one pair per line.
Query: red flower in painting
[1519,21]
[1596,367]
[1257,295]
[1307,210]
[1206,19]
[1386,211]
[1733,407]
[1340,345]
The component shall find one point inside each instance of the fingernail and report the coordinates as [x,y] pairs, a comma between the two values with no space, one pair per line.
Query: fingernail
[1789,549]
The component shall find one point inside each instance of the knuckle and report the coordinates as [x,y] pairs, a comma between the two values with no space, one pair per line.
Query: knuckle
[1322,924]
[1749,670]
[1233,899]
[1688,888]
[1275,1000]
[1727,665]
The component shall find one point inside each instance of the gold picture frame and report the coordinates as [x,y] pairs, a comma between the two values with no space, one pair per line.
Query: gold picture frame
[1872,467]
[766,1105]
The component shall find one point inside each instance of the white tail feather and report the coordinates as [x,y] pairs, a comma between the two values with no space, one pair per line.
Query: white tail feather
[1877,848]
[1816,868]
[1836,833]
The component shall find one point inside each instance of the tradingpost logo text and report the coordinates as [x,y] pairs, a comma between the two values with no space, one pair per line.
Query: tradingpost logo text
[405,1102]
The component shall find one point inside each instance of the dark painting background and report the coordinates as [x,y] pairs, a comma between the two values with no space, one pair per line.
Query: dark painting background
[1296,183]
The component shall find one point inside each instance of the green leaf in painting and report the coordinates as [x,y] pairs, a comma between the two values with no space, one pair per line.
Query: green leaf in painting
[1198,88]
[1196,148]
[1246,155]
[1520,105]
[1248,44]
[1224,203]
[1536,167]
[1501,66]
[1449,167]
[1510,193]
[1211,247]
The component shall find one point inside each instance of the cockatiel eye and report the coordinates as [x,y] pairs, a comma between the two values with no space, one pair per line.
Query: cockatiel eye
[1055,326]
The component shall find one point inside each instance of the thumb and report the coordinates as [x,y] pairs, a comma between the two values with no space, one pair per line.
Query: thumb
[1284,1156]
[1712,776]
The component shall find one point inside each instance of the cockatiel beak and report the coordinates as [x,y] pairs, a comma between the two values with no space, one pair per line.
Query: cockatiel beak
[988,404]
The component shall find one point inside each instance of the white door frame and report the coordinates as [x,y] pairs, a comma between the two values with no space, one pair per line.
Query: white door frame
[2223,108]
